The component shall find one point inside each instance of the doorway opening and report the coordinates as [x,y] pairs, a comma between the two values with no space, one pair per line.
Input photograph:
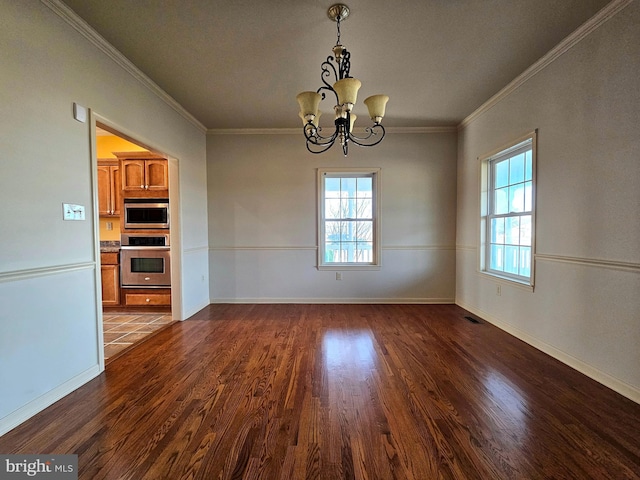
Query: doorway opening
[131,173]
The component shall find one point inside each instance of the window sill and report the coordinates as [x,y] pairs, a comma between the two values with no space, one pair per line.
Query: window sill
[348,266]
[526,286]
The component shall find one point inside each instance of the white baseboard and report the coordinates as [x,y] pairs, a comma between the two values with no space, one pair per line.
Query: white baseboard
[372,301]
[24,413]
[623,388]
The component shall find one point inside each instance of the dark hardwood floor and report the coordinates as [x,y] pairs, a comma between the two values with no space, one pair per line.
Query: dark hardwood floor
[338,391]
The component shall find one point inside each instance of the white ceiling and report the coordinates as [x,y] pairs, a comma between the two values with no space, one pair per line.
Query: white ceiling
[240,63]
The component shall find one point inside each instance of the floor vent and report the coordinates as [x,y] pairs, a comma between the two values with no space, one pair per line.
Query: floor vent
[472,320]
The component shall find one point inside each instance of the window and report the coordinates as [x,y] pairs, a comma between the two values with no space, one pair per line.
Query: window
[348,218]
[508,216]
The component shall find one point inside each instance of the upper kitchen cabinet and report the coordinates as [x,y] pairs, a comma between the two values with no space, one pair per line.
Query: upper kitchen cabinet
[109,185]
[143,174]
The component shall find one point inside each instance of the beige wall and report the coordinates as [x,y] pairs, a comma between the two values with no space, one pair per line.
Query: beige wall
[262,220]
[50,335]
[585,309]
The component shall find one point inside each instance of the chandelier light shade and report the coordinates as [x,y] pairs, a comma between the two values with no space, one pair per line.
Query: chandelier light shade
[345,92]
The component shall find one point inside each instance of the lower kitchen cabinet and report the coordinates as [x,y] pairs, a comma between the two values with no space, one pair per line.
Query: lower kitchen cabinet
[147,297]
[110,271]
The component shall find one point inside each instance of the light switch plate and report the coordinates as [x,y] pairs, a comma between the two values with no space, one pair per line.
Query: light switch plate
[79,113]
[71,211]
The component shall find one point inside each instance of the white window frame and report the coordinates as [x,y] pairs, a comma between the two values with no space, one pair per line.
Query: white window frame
[486,207]
[374,173]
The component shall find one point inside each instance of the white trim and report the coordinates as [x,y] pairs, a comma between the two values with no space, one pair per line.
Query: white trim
[590,262]
[195,250]
[486,200]
[257,247]
[623,388]
[341,172]
[339,301]
[17,275]
[96,236]
[419,247]
[47,399]
[314,248]
[82,27]
[470,248]
[298,131]
[608,12]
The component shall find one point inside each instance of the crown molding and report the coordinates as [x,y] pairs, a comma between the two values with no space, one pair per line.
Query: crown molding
[564,46]
[298,131]
[82,27]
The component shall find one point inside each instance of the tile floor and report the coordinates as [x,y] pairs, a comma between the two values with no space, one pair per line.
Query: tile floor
[121,331]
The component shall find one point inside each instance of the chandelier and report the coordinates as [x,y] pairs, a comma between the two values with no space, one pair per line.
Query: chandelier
[345,89]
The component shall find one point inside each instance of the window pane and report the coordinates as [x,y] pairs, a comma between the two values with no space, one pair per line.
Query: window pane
[348,208]
[332,231]
[332,208]
[497,261]
[525,230]
[347,232]
[332,252]
[512,230]
[516,198]
[497,230]
[365,208]
[348,251]
[501,174]
[516,169]
[331,187]
[528,166]
[525,261]
[501,204]
[365,252]
[365,187]
[364,231]
[511,259]
[348,187]
[528,197]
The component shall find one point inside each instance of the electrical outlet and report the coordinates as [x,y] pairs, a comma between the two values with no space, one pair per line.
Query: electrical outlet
[109,225]
[498,290]
[338,275]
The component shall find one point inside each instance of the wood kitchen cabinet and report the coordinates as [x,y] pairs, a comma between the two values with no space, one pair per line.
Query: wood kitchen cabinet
[110,272]
[147,299]
[144,172]
[109,187]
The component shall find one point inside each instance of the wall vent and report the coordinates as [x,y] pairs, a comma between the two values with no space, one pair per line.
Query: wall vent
[472,320]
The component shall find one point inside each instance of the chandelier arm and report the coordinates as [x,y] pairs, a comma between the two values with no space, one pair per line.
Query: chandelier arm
[327,147]
[312,136]
[372,132]
[327,70]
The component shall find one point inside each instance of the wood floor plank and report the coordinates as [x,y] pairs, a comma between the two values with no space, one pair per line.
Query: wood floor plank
[338,392]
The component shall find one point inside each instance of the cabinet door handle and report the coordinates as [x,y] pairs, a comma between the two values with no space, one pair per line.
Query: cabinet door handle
[147,300]
[147,278]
